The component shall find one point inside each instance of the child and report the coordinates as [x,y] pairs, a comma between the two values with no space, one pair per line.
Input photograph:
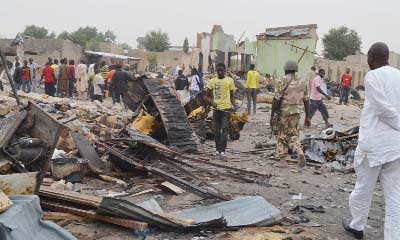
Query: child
[98,83]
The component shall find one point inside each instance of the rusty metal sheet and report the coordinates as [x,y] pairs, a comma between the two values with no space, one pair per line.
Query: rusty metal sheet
[48,130]
[19,183]
[88,152]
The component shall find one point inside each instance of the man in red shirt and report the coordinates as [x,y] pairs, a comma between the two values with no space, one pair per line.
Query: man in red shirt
[49,77]
[346,85]
[26,77]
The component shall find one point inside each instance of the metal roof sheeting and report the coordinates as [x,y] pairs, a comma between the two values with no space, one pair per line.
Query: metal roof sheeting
[112,55]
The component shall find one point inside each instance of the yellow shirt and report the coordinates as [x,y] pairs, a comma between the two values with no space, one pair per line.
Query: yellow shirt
[252,79]
[54,66]
[222,91]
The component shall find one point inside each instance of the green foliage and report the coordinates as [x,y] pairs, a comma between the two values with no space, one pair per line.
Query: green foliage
[37,32]
[340,42]
[156,41]
[84,35]
[152,58]
[140,41]
[87,37]
[125,46]
[186,46]
[64,35]
[110,35]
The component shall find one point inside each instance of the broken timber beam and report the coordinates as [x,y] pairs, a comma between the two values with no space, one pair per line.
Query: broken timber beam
[187,185]
[70,196]
[92,215]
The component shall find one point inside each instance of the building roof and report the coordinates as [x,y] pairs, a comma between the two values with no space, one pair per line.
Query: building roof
[111,55]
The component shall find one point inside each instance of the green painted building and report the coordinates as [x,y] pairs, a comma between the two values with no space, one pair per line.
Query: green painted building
[277,45]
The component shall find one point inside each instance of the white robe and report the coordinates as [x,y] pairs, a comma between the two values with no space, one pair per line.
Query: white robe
[378,151]
[82,78]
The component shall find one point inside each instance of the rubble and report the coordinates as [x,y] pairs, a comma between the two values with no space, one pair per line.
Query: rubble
[333,148]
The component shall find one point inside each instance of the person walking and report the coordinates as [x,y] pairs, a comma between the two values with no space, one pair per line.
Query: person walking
[196,84]
[26,77]
[82,79]
[119,83]
[377,152]
[220,95]
[33,67]
[310,77]
[345,87]
[49,79]
[252,83]
[290,96]
[17,76]
[316,102]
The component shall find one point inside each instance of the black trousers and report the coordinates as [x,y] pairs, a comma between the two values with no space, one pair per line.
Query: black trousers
[221,126]
[49,89]
[320,106]
[345,91]
[118,97]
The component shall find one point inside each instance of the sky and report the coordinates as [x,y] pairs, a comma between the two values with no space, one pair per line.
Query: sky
[129,19]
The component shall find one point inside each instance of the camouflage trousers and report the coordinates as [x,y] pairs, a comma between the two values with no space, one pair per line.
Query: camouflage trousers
[288,135]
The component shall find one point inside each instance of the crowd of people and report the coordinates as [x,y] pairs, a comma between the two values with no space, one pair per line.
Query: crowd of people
[64,79]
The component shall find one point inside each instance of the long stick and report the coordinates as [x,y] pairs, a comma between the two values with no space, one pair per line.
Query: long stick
[3,60]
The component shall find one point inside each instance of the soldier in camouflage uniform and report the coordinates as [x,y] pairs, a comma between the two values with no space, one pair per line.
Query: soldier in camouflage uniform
[295,96]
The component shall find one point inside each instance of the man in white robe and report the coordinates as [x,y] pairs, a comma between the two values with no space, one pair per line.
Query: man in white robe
[378,150]
[82,79]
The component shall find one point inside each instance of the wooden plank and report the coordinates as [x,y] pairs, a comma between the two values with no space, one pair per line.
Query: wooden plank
[63,216]
[172,188]
[70,196]
[92,215]
[5,202]
[114,180]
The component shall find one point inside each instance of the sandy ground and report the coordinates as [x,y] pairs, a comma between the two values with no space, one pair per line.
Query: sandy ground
[329,189]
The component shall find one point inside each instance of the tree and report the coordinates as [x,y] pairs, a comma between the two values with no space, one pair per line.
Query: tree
[340,42]
[140,41]
[186,46]
[125,46]
[37,32]
[87,37]
[156,41]
[152,58]
[64,35]
[110,35]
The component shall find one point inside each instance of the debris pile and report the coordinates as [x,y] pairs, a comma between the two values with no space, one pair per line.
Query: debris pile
[114,166]
[333,148]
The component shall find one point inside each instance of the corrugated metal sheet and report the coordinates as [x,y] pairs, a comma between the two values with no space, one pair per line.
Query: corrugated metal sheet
[243,211]
[23,221]
[111,55]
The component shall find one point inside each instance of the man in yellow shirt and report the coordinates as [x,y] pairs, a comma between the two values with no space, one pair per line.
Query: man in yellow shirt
[220,94]
[251,88]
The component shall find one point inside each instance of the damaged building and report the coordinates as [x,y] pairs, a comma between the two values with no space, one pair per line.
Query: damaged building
[218,46]
[41,49]
[275,46]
